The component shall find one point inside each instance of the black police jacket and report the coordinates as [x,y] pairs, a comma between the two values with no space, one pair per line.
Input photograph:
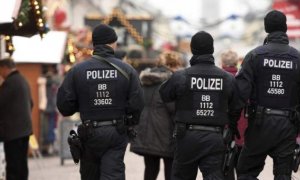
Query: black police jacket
[15,108]
[203,93]
[270,74]
[99,91]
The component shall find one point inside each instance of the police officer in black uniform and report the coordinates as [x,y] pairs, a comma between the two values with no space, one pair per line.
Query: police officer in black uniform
[269,79]
[205,101]
[108,95]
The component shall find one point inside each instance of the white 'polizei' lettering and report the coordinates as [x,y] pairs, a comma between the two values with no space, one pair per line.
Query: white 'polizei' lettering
[101,74]
[207,83]
[282,64]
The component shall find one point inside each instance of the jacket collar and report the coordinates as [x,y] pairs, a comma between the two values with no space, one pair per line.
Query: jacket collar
[12,73]
[278,37]
[155,75]
[103,51]
[232,70]
[202,59]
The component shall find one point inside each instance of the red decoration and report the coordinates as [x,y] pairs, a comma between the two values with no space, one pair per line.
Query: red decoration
[59,17]
[291,8]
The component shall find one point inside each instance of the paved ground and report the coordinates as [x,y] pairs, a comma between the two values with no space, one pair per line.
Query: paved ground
[50,169]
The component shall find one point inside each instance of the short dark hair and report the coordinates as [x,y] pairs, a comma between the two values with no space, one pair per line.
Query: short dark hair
[7,63]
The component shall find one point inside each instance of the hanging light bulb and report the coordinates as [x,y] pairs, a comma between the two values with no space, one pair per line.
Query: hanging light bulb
[7,38]
[72,58]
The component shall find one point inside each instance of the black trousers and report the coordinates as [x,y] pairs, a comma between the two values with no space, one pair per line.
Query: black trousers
[152,165]
[103,156]
[199,149]
[274,136]
[16,152]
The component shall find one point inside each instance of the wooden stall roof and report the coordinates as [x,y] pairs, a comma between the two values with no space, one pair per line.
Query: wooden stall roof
[124,19]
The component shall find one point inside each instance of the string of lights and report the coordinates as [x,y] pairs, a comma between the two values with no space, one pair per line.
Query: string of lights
[30,10]
[23,17]
[117,13]
[71,51]
[37,7]
[9,47]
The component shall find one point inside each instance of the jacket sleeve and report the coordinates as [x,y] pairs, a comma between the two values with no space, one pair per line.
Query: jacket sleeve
[6,93]
[235,104]
[245,78]
[135,97]
[67,102]
[168,89]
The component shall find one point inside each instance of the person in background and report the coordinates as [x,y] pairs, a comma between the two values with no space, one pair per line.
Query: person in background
[120,54]
[15,120]
[48,89]
[154,140]
[229,61]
